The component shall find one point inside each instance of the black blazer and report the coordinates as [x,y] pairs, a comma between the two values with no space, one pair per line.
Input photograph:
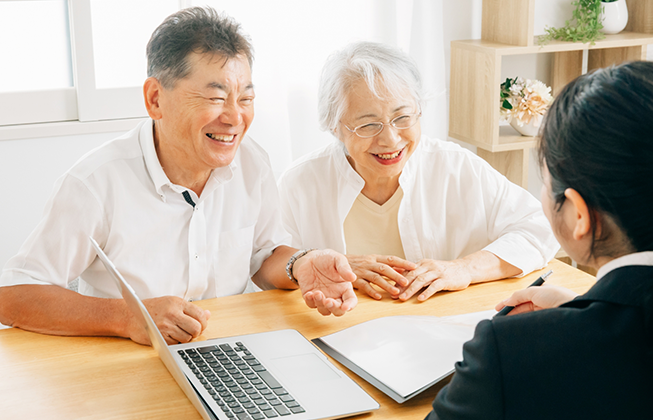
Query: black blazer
[591,358]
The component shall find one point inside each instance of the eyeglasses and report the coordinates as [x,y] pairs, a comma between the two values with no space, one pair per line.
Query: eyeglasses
[401,122]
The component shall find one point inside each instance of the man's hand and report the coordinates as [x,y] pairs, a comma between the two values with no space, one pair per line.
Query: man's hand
[179,321]
[379,270]
[536,298]
[437,275]
[325,279]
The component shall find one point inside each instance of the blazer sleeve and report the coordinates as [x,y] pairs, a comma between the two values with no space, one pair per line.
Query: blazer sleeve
[475,391]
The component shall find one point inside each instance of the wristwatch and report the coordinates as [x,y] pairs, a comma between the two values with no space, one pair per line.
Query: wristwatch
[297,255]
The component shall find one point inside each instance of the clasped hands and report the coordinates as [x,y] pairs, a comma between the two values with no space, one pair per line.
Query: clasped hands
[402,279]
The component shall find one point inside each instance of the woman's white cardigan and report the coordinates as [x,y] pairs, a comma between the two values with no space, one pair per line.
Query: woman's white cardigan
[454,204]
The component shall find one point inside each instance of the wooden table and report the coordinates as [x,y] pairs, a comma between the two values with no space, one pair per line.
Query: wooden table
[48,377]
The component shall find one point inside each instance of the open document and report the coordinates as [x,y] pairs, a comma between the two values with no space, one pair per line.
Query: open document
[403,355]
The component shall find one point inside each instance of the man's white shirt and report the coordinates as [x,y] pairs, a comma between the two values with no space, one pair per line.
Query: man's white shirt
[162,245]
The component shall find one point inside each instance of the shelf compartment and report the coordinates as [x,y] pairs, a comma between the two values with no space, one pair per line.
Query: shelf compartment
[475,80]
[476,69]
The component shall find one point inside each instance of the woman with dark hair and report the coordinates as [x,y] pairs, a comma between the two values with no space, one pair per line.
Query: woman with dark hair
[588,356]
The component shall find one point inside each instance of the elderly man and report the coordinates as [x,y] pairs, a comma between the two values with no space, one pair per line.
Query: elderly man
[185,205]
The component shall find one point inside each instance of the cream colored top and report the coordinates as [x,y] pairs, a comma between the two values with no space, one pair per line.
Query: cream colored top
[373,229]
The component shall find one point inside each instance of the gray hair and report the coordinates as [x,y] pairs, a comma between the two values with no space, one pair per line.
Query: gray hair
[193,30]
[372,62]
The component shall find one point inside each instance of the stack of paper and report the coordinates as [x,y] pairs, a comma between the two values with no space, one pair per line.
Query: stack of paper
[403,355]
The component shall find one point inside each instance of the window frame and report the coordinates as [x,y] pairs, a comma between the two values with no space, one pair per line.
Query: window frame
[76,109]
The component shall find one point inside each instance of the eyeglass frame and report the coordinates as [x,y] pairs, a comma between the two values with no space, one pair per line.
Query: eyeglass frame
[418,114]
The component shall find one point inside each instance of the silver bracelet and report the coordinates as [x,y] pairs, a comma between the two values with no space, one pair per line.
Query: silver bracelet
[297,255]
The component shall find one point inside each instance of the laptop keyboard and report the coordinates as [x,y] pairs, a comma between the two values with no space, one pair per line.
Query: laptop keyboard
[238,383]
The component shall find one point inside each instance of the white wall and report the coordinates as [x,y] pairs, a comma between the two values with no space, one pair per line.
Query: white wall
[29,168]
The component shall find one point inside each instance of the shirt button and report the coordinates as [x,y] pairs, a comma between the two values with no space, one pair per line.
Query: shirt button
[197,256]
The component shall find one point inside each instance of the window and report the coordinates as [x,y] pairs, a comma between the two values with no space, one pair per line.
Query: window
[36,76]
[75,60]
[84,65]
[109,39]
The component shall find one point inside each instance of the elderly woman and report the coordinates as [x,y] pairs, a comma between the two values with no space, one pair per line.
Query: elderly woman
[409,211]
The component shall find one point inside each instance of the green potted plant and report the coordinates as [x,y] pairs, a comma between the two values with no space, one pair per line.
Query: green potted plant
[585,25]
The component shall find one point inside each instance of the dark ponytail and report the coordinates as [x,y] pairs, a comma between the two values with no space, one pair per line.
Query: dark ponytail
[597,138]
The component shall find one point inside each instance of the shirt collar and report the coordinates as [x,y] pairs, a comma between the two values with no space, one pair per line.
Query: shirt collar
[638,258]
[344,167]
[626,280]
[159,177]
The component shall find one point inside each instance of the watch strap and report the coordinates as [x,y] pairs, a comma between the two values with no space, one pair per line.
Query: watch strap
[291,262]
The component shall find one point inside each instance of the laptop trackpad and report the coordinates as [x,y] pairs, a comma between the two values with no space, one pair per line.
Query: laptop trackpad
[304,368]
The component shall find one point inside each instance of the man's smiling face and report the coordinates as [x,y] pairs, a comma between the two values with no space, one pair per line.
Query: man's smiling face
[207,113]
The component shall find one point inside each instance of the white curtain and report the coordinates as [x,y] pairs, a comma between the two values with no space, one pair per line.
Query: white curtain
[293,38]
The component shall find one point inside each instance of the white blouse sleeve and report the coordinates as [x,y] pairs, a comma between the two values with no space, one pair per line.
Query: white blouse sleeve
[520,233]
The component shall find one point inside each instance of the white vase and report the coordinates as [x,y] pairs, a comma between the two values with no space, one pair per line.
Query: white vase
[526,129]
[614,16]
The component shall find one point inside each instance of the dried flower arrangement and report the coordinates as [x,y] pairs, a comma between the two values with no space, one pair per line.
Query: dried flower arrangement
[524,101]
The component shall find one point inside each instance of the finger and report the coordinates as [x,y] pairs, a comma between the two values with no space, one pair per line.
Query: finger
[179,335]
[335,307]
[202,316]
[343,268]
[349,300]
[396,262]
[434,288]
[523,308]
[318,299]
[339,308]
[393,275]
[309,299]
[412,275]
[366,287]
[382,283]
[324,306]
[189,325]
[418,284]
[520,297]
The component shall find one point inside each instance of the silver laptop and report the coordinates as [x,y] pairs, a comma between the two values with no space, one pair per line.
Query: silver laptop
[256,376]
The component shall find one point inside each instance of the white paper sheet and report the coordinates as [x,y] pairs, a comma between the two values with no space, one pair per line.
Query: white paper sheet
[407,353]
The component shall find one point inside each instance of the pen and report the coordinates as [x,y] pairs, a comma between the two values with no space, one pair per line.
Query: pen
[540,281]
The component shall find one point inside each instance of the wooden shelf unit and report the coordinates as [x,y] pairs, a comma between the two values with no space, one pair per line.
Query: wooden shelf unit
[476,74]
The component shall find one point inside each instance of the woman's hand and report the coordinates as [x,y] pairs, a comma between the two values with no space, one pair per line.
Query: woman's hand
[437,275]
[381,270]
[536,298]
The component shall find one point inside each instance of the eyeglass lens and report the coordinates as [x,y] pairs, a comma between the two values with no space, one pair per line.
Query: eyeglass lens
[372,129]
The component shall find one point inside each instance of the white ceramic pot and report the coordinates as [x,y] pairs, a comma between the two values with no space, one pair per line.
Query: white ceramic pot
[614,16]
[526,129]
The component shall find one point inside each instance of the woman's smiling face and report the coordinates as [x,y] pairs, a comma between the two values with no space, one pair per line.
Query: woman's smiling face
[385,154]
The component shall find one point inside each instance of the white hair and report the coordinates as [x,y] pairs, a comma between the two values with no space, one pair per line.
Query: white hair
[372,62]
